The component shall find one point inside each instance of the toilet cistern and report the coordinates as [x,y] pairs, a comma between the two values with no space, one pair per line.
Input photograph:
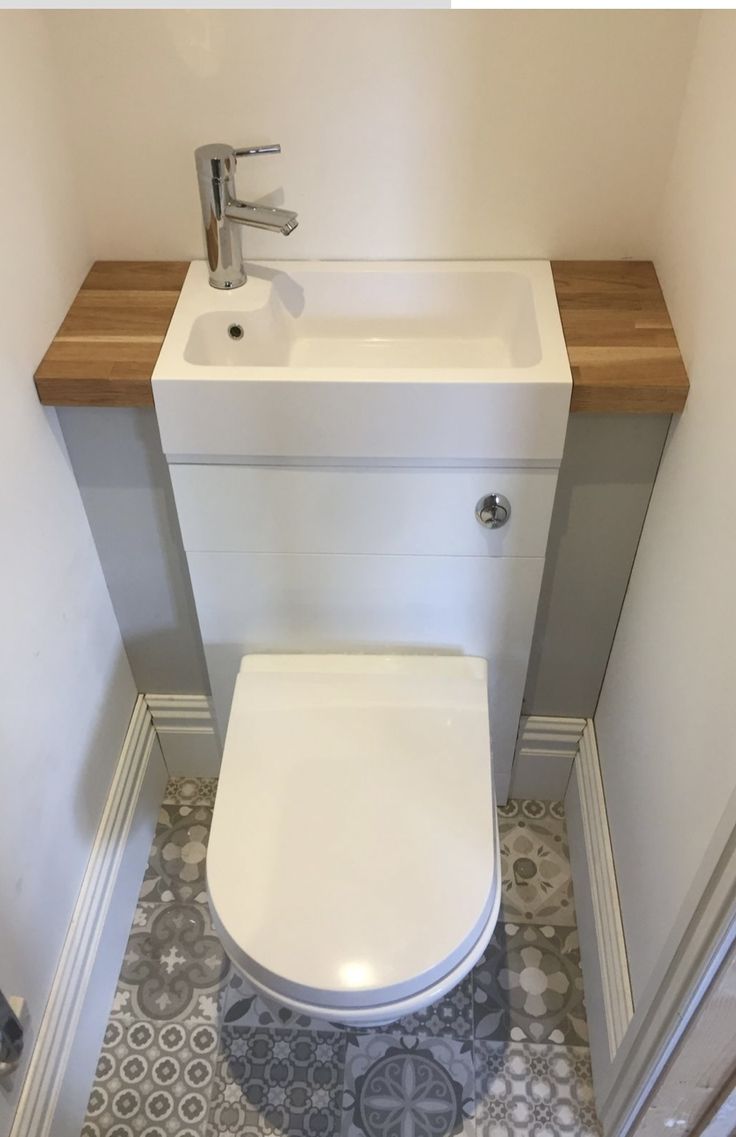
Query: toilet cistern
[222,211]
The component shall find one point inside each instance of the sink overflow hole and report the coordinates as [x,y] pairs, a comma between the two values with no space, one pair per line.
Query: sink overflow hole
[235,331]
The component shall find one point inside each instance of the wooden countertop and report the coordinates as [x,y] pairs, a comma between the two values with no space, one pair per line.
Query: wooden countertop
[623,351]
[620,341]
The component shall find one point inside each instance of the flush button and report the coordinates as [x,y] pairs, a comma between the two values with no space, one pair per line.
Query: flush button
[493,510]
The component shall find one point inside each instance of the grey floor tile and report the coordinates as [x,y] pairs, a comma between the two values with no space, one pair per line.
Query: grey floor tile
[529,986]
[284,1082]
[176,865]
[526,1090]
[451,1016]
[407,1087]
[161,1072]
[174,967]
[535,864]
[190,791]
[244,1007]
[153,1079]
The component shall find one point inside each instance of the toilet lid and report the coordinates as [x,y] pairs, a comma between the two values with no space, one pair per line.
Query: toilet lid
[351,858]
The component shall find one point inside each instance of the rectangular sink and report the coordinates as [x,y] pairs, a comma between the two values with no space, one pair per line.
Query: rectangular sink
[330,316]
[413,360]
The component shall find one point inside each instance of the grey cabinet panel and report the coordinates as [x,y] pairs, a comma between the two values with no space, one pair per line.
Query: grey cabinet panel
[608,469]
[125,486]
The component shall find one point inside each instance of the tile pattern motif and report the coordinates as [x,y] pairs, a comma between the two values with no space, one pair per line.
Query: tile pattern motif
[450,1016]
[152,1078]
[176,868]
[191,1050]
[529,986]
[277,1081]
[174,967]
[536,882]
[534,1090]
[244,1007]
[191,791]
[403,1086]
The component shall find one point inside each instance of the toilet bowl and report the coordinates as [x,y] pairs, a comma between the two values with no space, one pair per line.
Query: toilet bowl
[353,868]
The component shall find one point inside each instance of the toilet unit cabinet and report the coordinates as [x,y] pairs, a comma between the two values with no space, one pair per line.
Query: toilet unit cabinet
[364,558]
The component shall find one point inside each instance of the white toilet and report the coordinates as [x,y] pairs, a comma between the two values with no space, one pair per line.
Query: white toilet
[353,866]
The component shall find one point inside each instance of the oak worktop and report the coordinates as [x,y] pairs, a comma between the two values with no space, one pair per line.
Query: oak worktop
[622,348]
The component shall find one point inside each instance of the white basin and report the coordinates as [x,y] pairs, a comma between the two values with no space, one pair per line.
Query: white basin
[379,360]
[358,319]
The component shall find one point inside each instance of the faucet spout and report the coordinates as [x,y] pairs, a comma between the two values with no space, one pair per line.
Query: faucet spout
[221,208]
[282,221]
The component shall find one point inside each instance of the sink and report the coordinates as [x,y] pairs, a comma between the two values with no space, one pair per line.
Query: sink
[419,360]
[351,317]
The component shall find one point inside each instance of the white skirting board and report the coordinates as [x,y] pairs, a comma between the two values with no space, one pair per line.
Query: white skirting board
[545,752]
[187,734]
[61,1069]
[602,944]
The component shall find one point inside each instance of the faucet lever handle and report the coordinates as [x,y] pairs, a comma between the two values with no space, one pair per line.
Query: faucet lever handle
[252,151]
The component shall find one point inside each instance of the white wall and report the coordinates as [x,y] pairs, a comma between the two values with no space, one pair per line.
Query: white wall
[405,134]
[663,722]
[66,692]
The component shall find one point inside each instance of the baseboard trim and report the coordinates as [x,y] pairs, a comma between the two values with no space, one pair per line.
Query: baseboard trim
[187,733]
[701,941]
[594,879]
[61,1067]
[545,752]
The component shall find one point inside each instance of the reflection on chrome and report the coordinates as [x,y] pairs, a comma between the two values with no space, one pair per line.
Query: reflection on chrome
[222,211]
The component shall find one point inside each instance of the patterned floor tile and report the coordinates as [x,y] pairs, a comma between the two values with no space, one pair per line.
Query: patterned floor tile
[535,864]
[529,986]
[525,1090]
[284,1082]
[244,1007]
[451,1016]
[174,966]
[152,1080]
[278,1074]
[176,865]
[407,1087]
[530,807]
[191,791]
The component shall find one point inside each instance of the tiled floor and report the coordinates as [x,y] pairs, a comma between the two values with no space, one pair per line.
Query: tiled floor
[191,1051]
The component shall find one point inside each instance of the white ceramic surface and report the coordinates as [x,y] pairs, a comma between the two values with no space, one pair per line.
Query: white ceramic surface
[370,511]
[367,873]
[363,317]
[310,602]
[441,360]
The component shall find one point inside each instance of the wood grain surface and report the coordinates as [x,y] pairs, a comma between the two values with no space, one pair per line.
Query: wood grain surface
[104,353]
[620,341]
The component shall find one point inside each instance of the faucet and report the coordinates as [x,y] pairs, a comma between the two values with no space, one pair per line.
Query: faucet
[221,211]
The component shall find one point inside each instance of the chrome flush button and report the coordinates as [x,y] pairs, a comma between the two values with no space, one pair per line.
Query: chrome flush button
[493,510]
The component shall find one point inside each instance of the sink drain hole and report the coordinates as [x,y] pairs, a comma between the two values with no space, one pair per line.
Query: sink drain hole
[235,331]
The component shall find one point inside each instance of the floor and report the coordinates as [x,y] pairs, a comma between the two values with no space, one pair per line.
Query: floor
[191,1051]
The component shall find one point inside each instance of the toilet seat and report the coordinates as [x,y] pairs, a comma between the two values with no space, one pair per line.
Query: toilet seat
[353,868]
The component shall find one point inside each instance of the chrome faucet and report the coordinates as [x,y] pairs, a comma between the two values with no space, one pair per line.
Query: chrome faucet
[222,211]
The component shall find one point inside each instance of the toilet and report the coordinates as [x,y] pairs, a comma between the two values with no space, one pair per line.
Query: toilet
[353,868]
